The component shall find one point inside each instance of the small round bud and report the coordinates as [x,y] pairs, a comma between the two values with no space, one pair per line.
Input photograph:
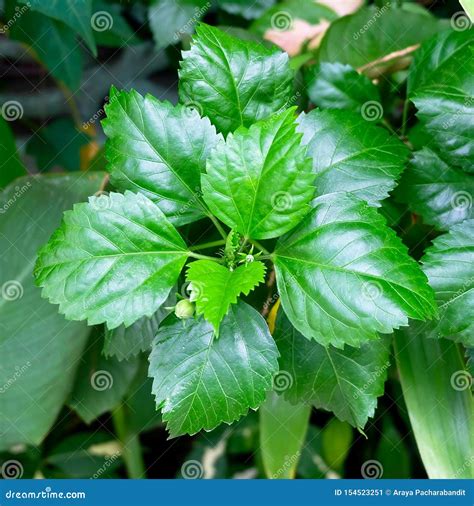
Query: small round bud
[249,259]
[184,309]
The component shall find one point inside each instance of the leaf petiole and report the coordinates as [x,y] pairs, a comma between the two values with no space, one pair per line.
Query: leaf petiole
[204,257]
[207,245]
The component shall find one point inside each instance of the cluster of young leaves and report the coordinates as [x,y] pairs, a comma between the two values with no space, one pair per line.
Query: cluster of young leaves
[235,152]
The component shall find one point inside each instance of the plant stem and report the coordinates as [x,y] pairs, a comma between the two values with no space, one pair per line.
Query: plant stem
[204,257]
[130,442]
[406,106]
[218,226]
[207,245]
[259,246]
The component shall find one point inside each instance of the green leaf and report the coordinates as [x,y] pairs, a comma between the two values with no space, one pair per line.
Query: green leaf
[439,403]
[259,181]
[39,350]
[110,27]
[351,155]
[11,167]
[85,267]
[450,270]
[201,381]
[102,382]
[159,150]
[468,6]
[343,275]
[214,287]
[244,8]
[443,95]
[441,194]
[234,82]
[171,20]
[76,14]
[337,440]
[346,382]
[392,452]
[374,32]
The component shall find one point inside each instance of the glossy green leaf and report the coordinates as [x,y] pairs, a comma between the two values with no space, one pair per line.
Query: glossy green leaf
[85,267]
[449,265]
[468,6]
[441,194]
[339,86]
[10,165]
[346,382]
[351,155]
[39,350]
[214,287]
[234,82]
[159,150]
[201,381]
[259,181]
[439,402]
[76,14]
[343,275]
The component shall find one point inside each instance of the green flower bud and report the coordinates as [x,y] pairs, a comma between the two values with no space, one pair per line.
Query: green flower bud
[184,309]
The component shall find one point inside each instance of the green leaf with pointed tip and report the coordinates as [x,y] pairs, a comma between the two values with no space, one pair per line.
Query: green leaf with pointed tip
[201,381]
[77,14]
[259,181]
[10,166]
[159,150]
[339,86]
[232,81]
[215,288]
[86,265]
[346,382]
[441,194]
[351,155]
[343,275]
[441,85]
[449,265]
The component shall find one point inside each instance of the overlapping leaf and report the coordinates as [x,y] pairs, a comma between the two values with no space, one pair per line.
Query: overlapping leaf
[343,275]
[259,181]
[87,264]
[201,381]
[159,150]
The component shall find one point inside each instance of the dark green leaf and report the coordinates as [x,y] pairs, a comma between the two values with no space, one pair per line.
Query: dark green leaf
[351,155]
[110,27]
[259,181]
[201,381]
[11,166]
[160,150]
[234,82]
[86,265]
[392,451]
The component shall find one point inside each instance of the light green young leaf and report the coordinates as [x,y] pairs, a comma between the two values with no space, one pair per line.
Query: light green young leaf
[234,82]
[441,194]
[346,382]
[159,150]
[343,275]
[214,287]
[259,181]
[449,265]
[201,381]
[351,155]
[85,267]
